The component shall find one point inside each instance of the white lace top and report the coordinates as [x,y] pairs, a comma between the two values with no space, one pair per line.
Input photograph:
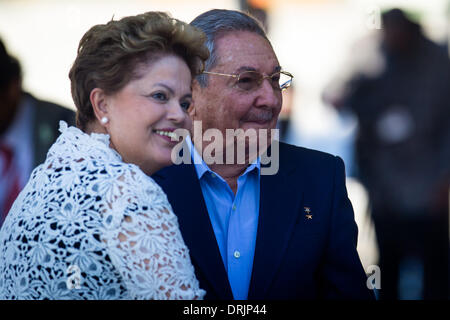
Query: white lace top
[89,226]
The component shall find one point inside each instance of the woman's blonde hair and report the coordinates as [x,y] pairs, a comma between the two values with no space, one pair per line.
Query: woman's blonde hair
[109,53]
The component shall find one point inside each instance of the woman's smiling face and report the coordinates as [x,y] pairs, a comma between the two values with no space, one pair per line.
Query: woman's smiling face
[143,114]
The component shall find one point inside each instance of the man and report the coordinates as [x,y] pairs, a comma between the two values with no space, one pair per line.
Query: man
[285,234]
[28,127]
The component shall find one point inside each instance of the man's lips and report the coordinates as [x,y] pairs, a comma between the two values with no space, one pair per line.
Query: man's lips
[257,121]
[259,117]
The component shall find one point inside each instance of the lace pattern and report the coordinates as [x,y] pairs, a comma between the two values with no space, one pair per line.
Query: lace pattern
[88,226]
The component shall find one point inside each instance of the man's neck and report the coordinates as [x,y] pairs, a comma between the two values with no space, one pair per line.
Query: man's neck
[229,172]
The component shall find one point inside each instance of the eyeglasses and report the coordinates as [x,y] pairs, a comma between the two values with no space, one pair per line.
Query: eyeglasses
[250,80]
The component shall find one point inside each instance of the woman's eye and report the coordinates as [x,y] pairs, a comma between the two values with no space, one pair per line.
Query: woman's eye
[160,96]
[185,105]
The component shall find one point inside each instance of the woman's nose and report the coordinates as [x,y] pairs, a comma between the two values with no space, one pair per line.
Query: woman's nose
[176,113]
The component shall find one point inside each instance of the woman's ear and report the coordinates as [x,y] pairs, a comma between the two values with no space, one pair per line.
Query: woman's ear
[99,104]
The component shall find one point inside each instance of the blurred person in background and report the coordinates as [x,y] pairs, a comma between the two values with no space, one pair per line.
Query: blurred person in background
[403,156]
[28,127]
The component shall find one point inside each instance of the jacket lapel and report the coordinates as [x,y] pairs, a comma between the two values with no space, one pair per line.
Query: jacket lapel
[186,198]
[278,213]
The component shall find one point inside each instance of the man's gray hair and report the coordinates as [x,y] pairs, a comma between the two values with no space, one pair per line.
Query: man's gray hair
[217,22]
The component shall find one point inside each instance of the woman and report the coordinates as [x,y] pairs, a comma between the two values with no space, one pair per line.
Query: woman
[91,223]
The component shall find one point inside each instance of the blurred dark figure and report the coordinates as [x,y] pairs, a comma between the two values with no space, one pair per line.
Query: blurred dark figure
[28,127]
[403,156]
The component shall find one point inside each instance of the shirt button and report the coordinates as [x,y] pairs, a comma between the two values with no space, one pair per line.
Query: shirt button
[234,207]
[213,175]
[237,254]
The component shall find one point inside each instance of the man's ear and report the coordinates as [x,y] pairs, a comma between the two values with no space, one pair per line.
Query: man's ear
[99,103]
[191,110]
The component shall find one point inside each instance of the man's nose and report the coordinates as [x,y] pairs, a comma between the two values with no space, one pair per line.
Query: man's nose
[268,95]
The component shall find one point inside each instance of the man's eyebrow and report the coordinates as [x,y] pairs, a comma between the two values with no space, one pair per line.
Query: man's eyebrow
[247,68]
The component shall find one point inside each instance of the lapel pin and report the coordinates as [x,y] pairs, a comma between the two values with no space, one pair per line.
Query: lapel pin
[308,214]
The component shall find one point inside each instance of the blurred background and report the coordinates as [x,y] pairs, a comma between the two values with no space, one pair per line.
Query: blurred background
[336,50]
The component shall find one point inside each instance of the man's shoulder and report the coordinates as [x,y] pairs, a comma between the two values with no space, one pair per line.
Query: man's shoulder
[300,156]
[290,157]
[315,166]
[178,171]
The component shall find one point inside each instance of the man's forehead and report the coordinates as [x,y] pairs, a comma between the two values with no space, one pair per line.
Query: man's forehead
[245,50]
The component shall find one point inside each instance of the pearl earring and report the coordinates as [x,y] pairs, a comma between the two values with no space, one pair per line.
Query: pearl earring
[104,120]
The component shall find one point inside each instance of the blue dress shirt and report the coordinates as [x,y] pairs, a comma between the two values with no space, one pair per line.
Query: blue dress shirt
[234,219]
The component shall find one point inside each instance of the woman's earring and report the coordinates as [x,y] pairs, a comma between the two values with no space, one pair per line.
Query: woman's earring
[104,120]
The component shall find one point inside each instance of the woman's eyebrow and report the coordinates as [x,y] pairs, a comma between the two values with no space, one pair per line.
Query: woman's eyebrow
[165,86]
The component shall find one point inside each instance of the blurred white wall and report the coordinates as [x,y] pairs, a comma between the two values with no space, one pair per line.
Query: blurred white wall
[313,39]
[44,34]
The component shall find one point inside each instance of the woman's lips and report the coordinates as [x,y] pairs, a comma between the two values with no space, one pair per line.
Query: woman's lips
[167,134]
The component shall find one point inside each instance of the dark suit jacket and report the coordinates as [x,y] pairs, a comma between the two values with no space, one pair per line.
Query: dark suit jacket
[46,124]
[296,257]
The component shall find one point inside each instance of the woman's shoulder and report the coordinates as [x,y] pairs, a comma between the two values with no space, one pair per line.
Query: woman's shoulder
[140,184]
[78,160]
[91,154]
[75,145]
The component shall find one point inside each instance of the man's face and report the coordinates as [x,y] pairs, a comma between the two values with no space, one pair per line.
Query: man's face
[221,104]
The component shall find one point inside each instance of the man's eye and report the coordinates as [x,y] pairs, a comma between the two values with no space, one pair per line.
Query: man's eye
[276,78]
[247,83]
[246,80]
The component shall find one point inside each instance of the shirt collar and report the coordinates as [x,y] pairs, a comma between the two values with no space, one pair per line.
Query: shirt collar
[201,167]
